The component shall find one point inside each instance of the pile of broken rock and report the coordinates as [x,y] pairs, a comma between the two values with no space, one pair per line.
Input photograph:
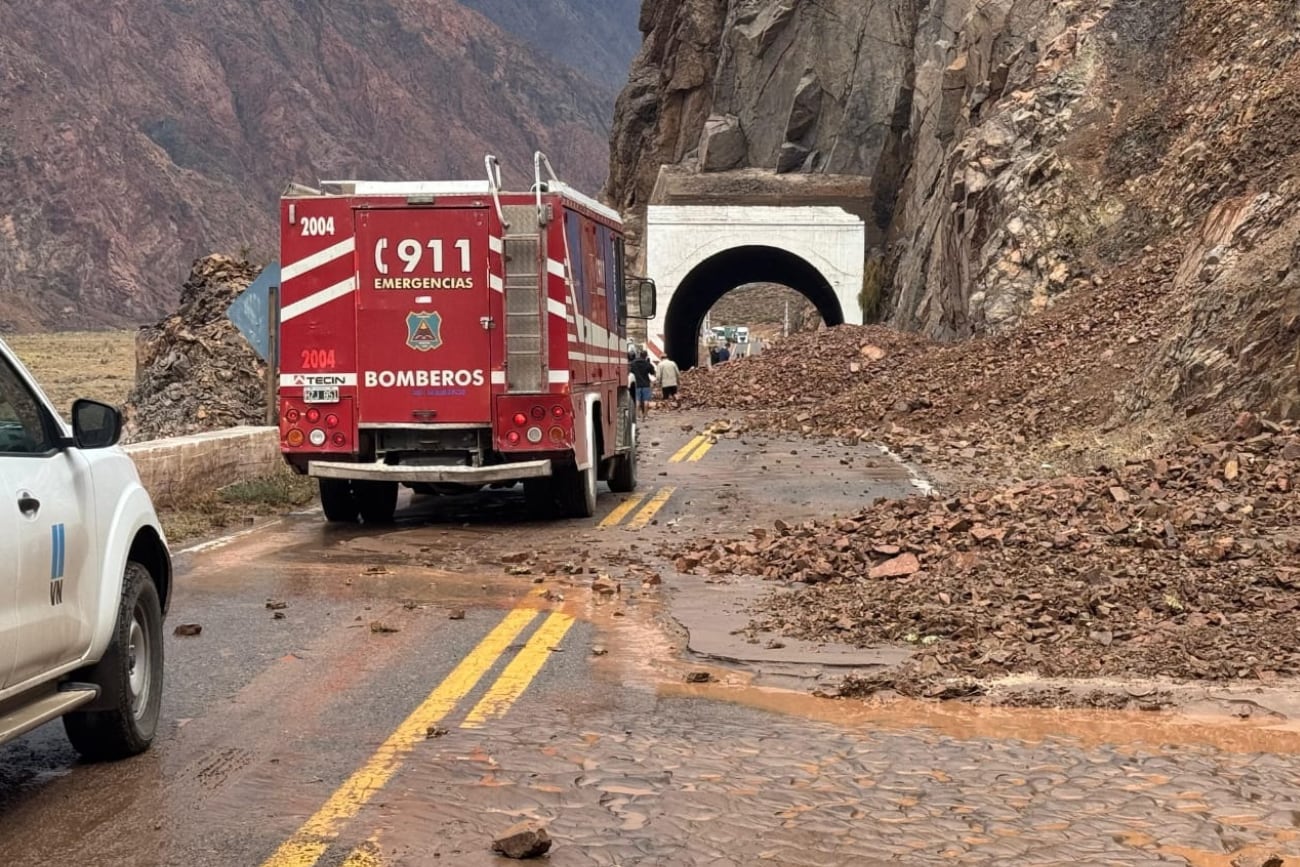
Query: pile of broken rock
[1185,566]
[194,371]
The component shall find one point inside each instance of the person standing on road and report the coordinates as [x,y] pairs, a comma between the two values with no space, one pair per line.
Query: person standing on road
[713,355]
[642,373]
[724,354]
[668,375]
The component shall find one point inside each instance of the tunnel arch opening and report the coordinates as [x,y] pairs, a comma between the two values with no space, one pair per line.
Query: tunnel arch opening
[730,269]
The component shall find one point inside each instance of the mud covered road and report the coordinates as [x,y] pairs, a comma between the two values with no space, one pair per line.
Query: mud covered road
[398,696]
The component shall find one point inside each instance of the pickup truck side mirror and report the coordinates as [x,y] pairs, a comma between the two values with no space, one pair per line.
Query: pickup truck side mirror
[95,425]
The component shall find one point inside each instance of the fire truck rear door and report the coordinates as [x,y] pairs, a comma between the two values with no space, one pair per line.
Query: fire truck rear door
[424,342]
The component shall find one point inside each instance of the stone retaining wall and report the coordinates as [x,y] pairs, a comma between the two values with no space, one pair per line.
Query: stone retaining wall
[181,467]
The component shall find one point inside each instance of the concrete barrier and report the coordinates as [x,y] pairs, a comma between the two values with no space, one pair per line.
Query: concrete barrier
[179,468]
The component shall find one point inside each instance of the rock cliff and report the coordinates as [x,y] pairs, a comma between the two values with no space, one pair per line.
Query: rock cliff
[1019,151]
[135,137]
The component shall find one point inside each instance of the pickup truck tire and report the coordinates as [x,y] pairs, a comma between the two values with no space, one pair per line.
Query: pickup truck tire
[338,501]
[130,678]
[377,501]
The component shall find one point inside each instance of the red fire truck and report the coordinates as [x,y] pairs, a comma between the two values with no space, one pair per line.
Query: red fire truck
[452,335]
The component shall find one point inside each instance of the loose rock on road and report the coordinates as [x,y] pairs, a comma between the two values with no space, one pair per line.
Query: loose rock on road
[538,672]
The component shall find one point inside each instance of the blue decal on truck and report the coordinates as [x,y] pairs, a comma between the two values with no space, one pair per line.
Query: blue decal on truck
[58,553]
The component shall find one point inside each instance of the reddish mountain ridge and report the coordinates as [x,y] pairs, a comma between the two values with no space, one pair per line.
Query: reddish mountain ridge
[137,137]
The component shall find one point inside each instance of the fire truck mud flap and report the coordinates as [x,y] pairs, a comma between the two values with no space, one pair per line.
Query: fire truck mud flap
[414,474]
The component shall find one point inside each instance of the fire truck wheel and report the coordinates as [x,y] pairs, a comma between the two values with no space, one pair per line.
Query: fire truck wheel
[576,488]
[376,501]
[337,500]
[539,497]
[622,480]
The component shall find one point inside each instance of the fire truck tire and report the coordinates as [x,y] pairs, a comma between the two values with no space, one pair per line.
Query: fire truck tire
[337,501]
[622,478]
[539,497]
[576,489]
[377,501]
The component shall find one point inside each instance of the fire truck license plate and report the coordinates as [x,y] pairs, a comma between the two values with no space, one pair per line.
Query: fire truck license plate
[320,395]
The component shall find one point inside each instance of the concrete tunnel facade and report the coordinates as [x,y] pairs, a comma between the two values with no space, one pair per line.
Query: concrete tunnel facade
[697,254]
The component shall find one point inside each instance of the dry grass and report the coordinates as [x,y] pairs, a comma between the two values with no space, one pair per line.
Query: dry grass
[236,506]
[70,364]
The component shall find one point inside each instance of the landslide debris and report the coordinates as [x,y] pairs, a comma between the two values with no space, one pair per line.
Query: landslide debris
[1044,391]
[1186,565]
[194,371]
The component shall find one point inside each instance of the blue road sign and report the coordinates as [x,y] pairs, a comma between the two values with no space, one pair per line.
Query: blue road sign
[251,311]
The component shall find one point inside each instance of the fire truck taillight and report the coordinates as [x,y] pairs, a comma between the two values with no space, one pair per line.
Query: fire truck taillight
[295,438]
[513,438]
[331,421]
[558,411]
[520,420]
[539,412]
[313,415]
[292,415]
[557,434]
[534,435]
[339,439]
[317,437]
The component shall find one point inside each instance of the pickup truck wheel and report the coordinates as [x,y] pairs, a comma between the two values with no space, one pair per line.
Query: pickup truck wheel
[130,678]
[622,480]
[338,501]
[377,501]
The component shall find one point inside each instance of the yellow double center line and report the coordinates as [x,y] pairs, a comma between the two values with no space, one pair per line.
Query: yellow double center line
[632,503]
[316,835]
[693,450]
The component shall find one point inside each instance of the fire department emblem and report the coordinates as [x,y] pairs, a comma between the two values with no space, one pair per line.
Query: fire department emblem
[424,331]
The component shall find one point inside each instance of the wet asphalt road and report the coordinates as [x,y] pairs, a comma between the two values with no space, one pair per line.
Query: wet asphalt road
[314,739]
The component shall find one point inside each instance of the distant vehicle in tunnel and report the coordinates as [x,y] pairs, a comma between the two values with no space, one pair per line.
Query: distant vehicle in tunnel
[85,576]
[450,335]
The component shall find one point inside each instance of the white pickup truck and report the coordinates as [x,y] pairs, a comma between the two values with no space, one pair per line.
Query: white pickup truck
[85,575]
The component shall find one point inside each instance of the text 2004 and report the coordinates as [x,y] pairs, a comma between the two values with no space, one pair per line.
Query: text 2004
[318,359]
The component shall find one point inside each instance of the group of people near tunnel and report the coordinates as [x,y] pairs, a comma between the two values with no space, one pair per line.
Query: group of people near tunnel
[645,374]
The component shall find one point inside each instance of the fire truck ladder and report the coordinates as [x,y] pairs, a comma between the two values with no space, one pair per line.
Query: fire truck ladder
[525,301]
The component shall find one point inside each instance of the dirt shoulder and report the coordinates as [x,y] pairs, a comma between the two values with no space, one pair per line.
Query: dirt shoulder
[235,507]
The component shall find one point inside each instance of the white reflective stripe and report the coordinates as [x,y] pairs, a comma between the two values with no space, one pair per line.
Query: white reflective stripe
[495,244]
[558,377]
[595,357]
[315,260]
[324,296]
[556,268]
[597,334]
[295,380]
[557,308]
[498,377]
[496,284]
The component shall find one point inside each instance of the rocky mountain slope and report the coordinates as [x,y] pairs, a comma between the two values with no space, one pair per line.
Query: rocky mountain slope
[1085,218]
[1021,151]
[598,37]
[134,140]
